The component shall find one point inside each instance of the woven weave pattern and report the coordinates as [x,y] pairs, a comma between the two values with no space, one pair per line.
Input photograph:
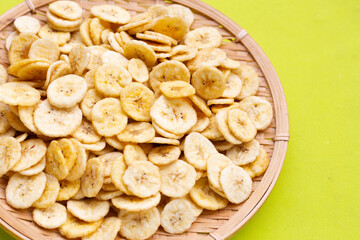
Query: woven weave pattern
[208,221]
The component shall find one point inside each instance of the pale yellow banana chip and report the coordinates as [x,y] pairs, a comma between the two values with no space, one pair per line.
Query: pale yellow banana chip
[95,147]
[137,132]
[93,177]
[259,110]
[241,125]
[172,26]
[211,57]
[10,38]
[111,13]
[141,50]
[164,155]
[44,48]
[212,131]
[109,159]
[80,162]
[60,38]
[108,230]
[244,153]
[177,216]
[153,38]
[115,44]
[259,166]
[115,143]
[166,133]
[88,102]
[26,115]
[75,228]
[161,140]
[51,191]
[233,86]
[61,24]
[203,37]
[200,103]
[177,89]
[68,189]
[51,217]
[222,101]
[79,59]
[115,58]
[216,163]
[15,122]
[85,32]
[16,93]
[32,151]
[181,11]
[88,210]
[133,153]
[230,64]
[138,70]
[222,120]
[202,122]
[208,82]
[20,47]
[27,24]
[136,204]
[56,70]
[250,80]
[108,195]
[222,146]
[35,169]
[117,173]
[96,53]
[10,153]
[66,9]
[86,133]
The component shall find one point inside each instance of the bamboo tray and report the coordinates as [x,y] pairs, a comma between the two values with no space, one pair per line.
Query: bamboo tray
[239,46]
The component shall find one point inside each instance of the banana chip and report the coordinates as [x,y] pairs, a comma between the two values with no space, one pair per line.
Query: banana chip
[164,155]
[93,177]
[204,37]
[136,204]
[16,93]
[111,13]
[44,48]
[88,210]
[66,9]
[51,191]
[51,217]
[10,153]
[75,228]
[27,24]
[177,216]
[138,132]
[259,166]
[141,50]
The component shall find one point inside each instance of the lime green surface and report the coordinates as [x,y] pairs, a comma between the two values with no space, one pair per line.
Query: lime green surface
[315,48]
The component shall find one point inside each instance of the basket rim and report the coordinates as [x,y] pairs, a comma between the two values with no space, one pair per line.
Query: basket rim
[242,216]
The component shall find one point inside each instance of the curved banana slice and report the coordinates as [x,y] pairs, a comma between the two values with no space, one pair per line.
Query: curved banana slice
[56,70]
[93,177]
[183,53]
[208,82]
[236,183]
[66,9]
[80,162]
[15,122]
[95,147]
[141,50]
[161,140]
[211,57]
[108,117]
[259,166]
[32,151]
[88,102]
[174,115]
[16,93]
[116,58]
[107,149]
[137,132]
[138,70]
[216,163]
[117,173]
[134,153]
[197,150]
[202,122]
[250,80]
[244,153]
[194,207]
[115,143]
[259,110]
[44,48]
[233,86]
[20,47]
[75,228]
[221,119]
[23,191]
[139,225]
[204,37]
[164,155]
[109,159]
[10,154]
[66,91]
[68,189]
[108,230]
[177,178]
[111,13]
[157,10]
[165,133]
[201,105]
[114,43]
[205,197]
[136,100]
[27,24]
[62,24]
[35,169]
[220,101]
[96,28]
[222,146]
[176,89]
[108,195]
[168,71]
[10,38]
[51,191]
[88,210]
[79,59]
[172,26]
[230,64]
[50,218]
[212,132]
[135,204]
[86,133]
[142,178]
[177,216]
[241,125]
[85,32]
[60,38]
[9,133]
[181,11]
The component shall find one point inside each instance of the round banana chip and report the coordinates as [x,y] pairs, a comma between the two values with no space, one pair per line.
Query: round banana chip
[80,162]
[202,122]
[32,151]
[66,9]
[172,26]
[153,38]
[4,124]
[27,24]
[117,173]
[233,86]
[108,117]
[236,183]
[135,204]
[250,80]
[56,122]
[197,150]
[176,89]
[241,125]
[88,102]
[109,159]
[86,133]
[133,153]
[20,47]
[56,70]
[138,70]
[142,179]
[62,24]
[183,53]
[115,143]
[205,197]
[177,216]
[95,147]
[208,82]
[88,210]
[108,229]
[216,163]
[168,71]
[164,155]
[136,100]
[244,153]
[35,169]
[96,53]
[259,166]
[204,37]
[30,69]
[175,115]
[68,189]
[157,10]
[259,110]
[16,93]
[141,50]
[230,64]
[111,13]
[60,38]
[221,119]
[110,79]
[10,154]
[139,225]
[10,38]
[23,191]
[165,133]
[51,217]
[211,57]
[212,132]
[93,177]
[66,91]
[85,32]
[75,228]
[44,48]
[108,195]
[79,57]
[51,191]
[116,58]
[137,132]
[177,178]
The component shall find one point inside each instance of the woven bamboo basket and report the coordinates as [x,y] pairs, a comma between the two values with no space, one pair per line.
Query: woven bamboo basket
[239,45]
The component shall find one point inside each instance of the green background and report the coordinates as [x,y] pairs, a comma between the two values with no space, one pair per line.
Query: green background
[315,48]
